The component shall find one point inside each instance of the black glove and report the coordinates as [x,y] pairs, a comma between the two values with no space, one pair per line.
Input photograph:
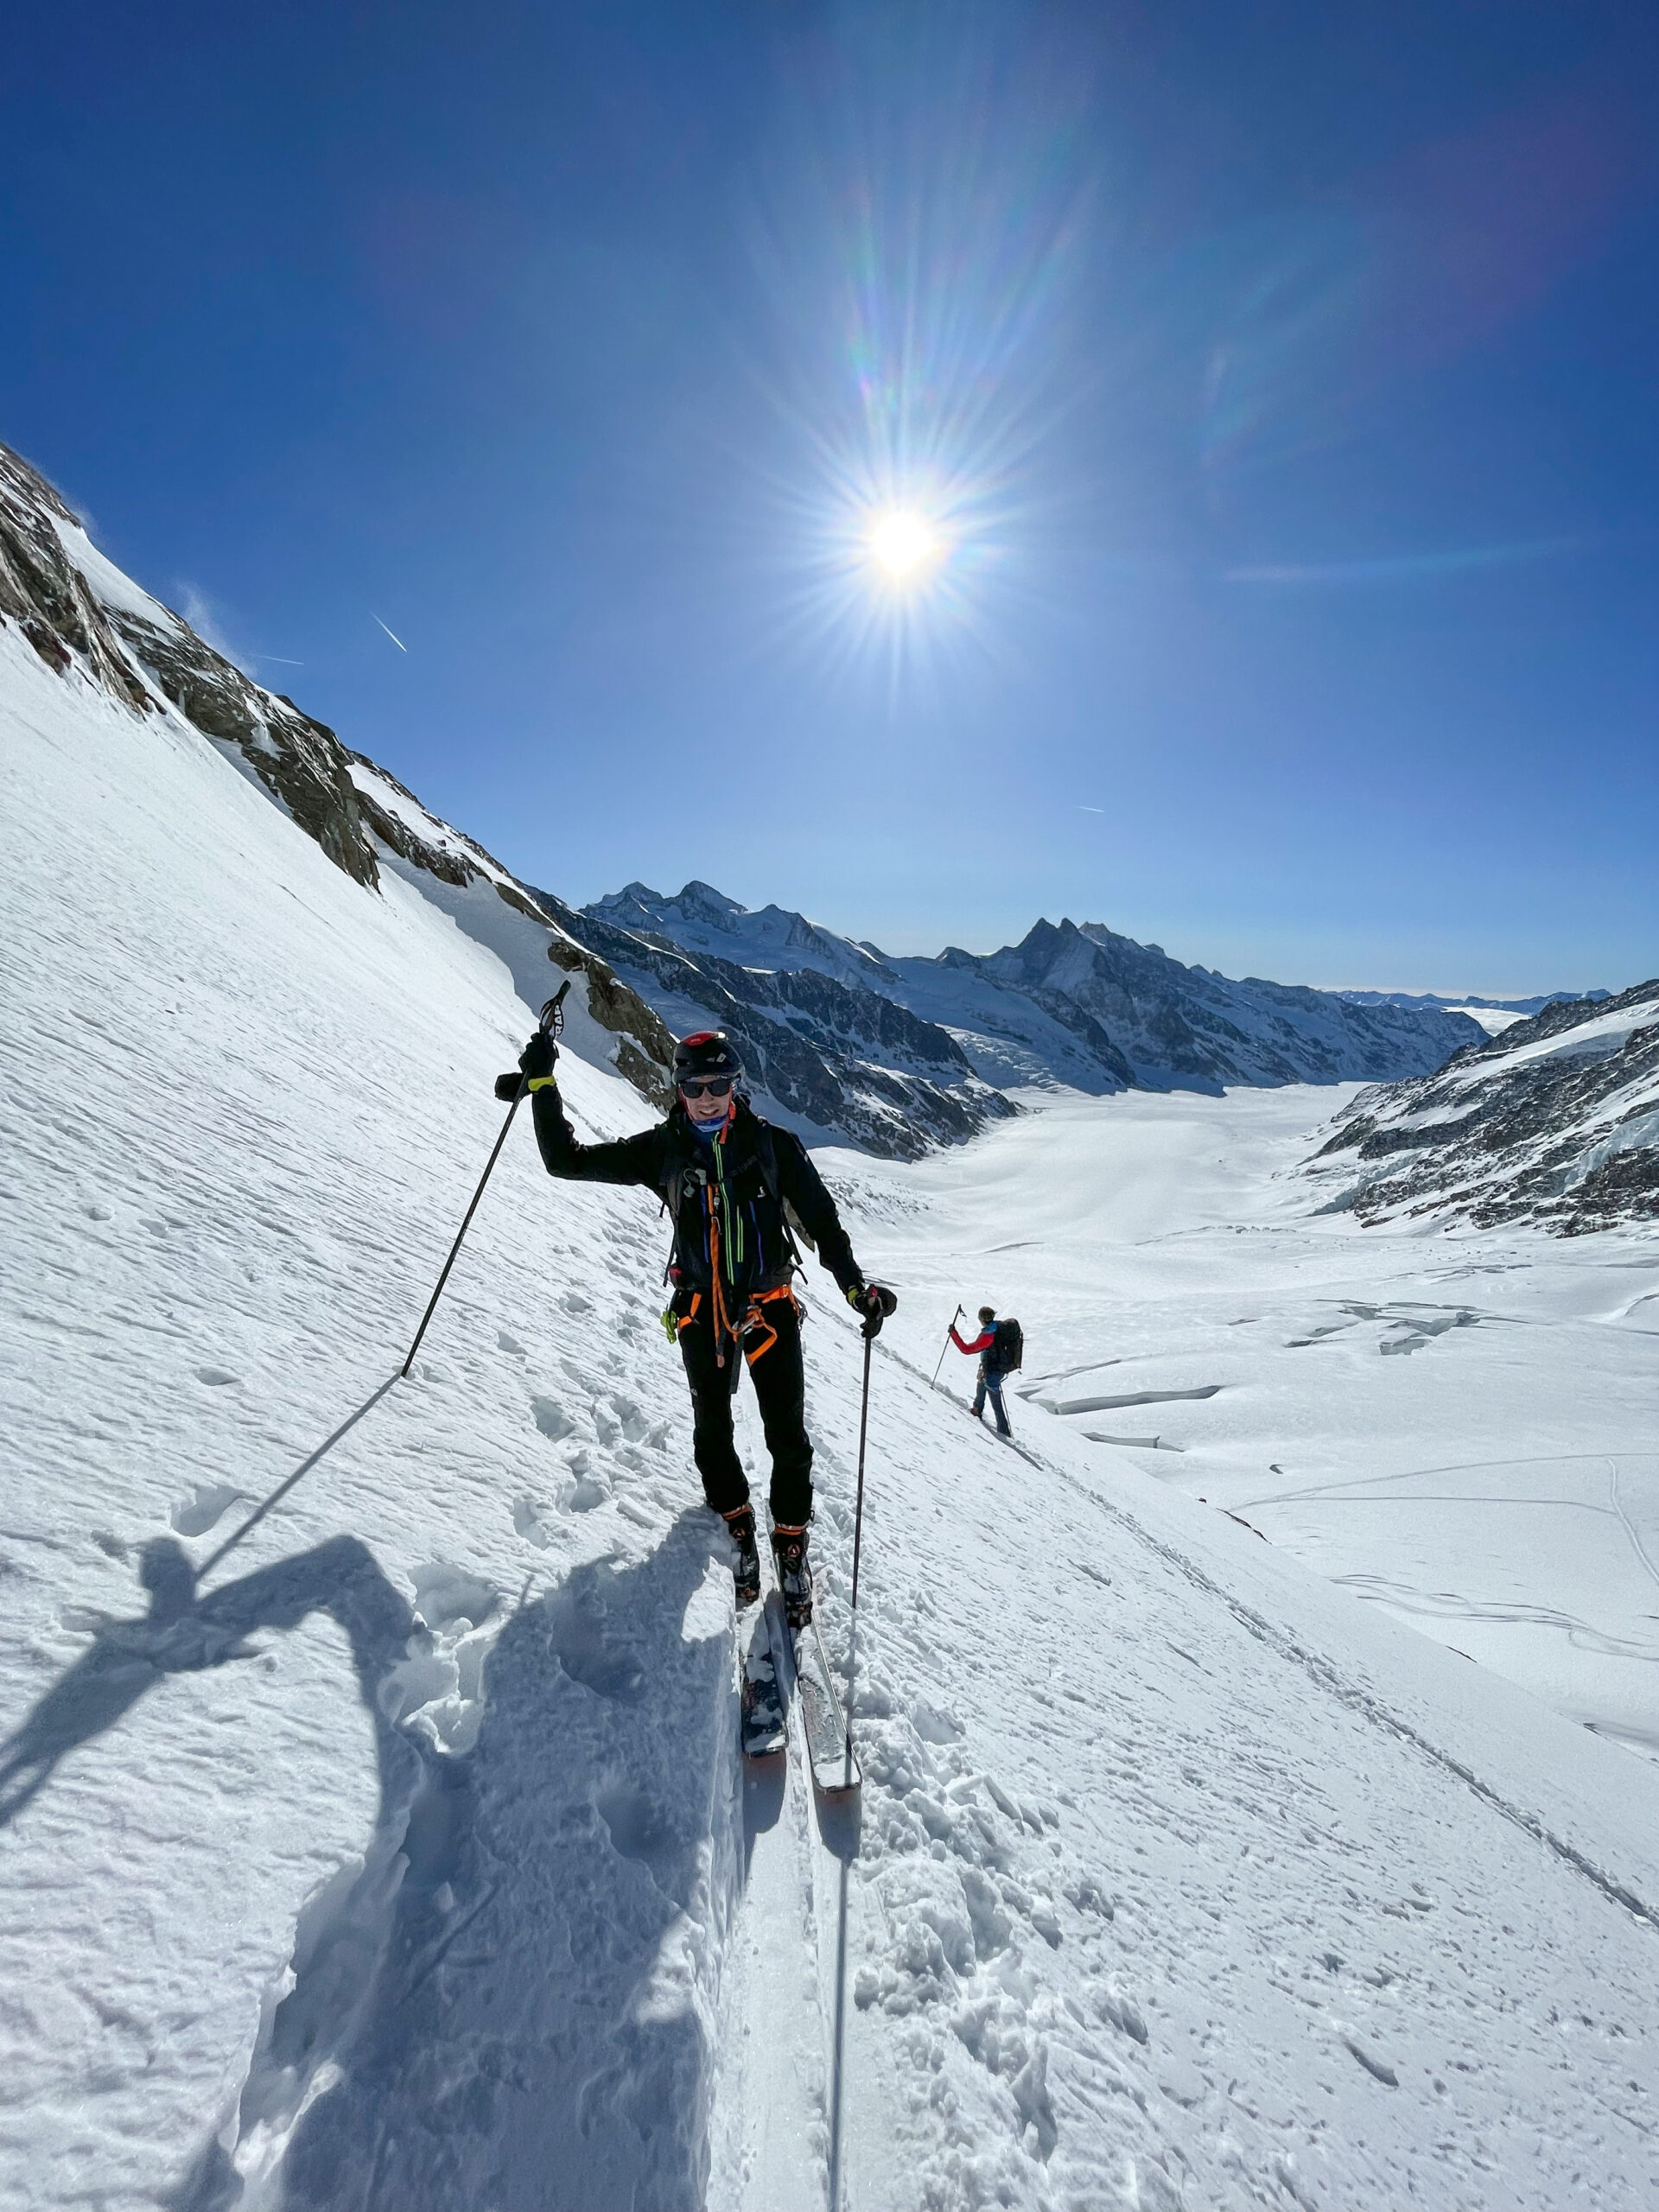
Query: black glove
[874,1302]
[535,1062]
[534,1071]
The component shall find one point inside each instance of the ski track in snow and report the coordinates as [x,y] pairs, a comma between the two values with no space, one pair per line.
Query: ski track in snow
[371,1827]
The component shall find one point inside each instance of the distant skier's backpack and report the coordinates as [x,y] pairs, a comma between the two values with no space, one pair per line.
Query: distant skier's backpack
[1007,1347]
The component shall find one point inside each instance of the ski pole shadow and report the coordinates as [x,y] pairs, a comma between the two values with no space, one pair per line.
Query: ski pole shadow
[513,2007]
[289,1481]
[838,2038]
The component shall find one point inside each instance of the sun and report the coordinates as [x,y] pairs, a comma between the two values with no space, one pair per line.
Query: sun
[905,544]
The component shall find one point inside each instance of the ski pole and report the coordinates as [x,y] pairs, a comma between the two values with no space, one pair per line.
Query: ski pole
[552,1023]
[858,1543]
[945,1346]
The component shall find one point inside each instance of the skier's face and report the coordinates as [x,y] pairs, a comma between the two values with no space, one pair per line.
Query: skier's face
[702,1106]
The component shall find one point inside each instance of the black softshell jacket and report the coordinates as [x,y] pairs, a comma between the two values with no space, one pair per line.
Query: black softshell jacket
[721,1193]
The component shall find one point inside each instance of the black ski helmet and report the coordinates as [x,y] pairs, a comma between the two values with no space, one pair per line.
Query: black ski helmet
[987,1314]
[710,1051]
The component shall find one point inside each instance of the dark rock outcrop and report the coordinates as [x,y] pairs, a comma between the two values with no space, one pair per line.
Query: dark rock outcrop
[300,762]
[1555,1121]
[43,592]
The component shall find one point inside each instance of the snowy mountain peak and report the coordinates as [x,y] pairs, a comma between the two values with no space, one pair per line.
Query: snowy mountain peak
[703,920]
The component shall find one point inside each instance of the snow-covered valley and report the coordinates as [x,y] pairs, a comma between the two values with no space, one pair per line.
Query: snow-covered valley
[373,1828]
[1457,1425]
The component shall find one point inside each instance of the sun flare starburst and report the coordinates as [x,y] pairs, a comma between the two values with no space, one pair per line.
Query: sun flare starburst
[905,544]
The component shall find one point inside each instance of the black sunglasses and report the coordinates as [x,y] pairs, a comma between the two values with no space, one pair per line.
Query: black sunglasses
[716,1086]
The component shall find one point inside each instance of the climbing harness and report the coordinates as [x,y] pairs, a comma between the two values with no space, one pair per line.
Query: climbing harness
[728,1222]
[757,1323]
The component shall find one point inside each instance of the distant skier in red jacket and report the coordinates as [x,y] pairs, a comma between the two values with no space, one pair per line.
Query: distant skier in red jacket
[991,1375]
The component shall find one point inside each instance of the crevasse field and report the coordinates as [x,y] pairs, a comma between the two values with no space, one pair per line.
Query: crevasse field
[390,1847]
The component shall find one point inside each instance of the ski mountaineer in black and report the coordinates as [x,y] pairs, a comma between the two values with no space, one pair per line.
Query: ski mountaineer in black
[727,1177]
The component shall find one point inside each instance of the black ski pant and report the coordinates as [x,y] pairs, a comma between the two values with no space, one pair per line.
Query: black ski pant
[780,1391]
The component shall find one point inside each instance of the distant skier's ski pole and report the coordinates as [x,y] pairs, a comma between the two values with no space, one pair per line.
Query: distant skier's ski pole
[858,1543]
[945,1346]
[552,1021]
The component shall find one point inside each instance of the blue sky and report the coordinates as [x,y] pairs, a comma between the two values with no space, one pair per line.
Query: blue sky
[1279,381]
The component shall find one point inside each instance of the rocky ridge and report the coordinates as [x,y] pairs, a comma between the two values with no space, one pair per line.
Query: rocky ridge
[1179,1026]
[1556,1122]
[91,623]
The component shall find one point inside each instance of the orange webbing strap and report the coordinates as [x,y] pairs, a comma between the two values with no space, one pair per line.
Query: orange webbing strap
[689,1314]
[755,1322]
[723,1319]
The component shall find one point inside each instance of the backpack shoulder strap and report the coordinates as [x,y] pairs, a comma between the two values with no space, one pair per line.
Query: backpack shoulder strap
[676,1173]
[765,1151]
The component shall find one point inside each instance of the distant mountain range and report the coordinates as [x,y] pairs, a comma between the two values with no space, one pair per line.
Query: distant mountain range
[1554,1121]
[1535,1005]
[842,1040]
[1494,1015]
[1074,1004]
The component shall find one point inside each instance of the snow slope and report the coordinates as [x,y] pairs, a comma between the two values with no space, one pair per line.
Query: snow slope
[372,1829]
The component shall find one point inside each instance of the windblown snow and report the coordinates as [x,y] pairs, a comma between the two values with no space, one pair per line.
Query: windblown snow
[371,1824]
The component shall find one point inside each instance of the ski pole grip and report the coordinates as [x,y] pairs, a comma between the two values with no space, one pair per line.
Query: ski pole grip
[553,1012]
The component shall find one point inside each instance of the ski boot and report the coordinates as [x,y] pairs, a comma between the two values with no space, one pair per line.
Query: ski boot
[746,1567]
[794,1575]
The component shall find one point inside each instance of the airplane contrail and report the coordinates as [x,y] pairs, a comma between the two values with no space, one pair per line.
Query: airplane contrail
[1091,810]
[281,659]
[392,634]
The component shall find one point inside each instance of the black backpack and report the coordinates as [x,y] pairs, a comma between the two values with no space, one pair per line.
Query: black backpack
[1007,1347]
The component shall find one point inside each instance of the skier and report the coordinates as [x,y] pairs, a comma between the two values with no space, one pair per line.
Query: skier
[990,1374]
[730,1181]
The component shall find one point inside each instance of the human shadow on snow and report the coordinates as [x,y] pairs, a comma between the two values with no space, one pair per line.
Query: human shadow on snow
[508,2005]
[186,1632]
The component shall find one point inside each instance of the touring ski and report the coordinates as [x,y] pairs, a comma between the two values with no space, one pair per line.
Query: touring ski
[764,1708]
[835,1765]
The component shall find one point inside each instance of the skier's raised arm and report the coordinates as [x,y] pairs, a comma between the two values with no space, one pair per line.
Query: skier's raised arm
[630,1160]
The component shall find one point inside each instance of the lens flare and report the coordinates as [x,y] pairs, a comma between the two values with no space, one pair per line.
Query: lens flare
[905,545]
